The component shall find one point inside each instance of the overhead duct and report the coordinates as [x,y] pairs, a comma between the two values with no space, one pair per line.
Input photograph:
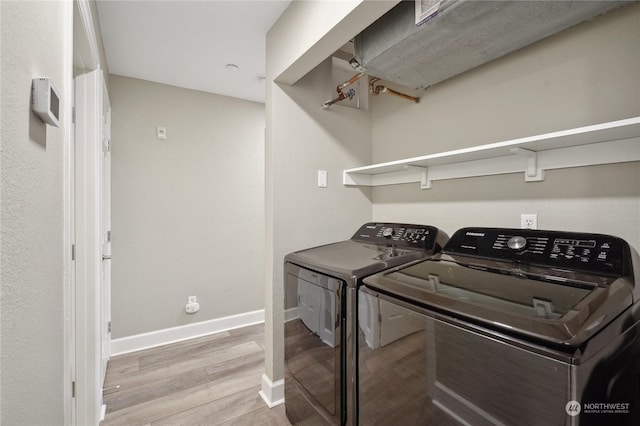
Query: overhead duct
[461,35]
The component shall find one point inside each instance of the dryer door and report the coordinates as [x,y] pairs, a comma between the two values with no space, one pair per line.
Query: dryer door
[313,343]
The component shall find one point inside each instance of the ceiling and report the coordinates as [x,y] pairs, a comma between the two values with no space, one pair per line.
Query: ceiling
[190,43]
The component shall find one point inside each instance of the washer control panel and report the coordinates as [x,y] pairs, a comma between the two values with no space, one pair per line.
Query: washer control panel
[399,235]
[564,250]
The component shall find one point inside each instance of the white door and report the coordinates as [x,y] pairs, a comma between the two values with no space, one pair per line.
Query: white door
[92,244]
[106,233]
[72,271]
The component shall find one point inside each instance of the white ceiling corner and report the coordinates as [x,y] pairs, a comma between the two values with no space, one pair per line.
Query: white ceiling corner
[188,43]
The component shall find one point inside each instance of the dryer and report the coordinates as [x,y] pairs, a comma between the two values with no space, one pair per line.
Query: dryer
[321,283]
[508,326]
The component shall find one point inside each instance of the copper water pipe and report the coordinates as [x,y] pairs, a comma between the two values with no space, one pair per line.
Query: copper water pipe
[384,89]
[341,95]
[349,82]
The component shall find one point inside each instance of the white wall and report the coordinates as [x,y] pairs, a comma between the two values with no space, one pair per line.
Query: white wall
[312,139]
[306,139]
[309,31]
[34,44]
[188,212]
[586,75]
[301,139]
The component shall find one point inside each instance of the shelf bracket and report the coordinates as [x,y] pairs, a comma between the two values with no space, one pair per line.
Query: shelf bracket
[425,182]
[532,172]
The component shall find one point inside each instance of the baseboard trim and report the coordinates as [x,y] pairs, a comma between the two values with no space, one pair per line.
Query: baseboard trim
[103,412]
[291,314]
[152,339]
[272,393]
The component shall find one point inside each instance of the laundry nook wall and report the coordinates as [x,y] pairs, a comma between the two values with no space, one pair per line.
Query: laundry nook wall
[583,76]
[188,209]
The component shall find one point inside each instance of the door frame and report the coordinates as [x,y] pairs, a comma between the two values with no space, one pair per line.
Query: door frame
[83,256]
[69,221]
[105,230]
[89,252]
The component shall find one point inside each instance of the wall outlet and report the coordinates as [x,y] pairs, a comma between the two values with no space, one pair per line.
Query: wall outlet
[192,306]
[529,221]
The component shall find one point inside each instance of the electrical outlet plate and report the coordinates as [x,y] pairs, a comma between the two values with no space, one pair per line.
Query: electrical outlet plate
[529,221]
[192,308]
[192,305]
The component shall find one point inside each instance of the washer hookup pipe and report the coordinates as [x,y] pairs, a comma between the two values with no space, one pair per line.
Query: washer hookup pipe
[341,95]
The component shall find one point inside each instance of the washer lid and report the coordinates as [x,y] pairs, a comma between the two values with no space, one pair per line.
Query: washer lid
[559,309]
[374,247]
[352,258]
[538,284]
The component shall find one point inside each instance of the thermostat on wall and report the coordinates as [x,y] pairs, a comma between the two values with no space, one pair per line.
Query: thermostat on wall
[46,101]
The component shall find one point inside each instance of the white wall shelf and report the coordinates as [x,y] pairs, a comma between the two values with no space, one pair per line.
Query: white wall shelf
[605,143]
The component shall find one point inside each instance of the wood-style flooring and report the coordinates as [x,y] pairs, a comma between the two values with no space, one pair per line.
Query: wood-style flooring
[212,380]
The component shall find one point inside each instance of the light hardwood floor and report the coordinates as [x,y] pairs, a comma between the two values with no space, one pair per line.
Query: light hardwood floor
[212,380]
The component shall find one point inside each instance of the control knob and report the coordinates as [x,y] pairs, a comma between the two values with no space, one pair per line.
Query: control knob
[387,232]
[517,243]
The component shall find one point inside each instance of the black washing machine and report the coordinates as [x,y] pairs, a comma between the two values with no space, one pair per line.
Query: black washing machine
[321,283]
[504,327]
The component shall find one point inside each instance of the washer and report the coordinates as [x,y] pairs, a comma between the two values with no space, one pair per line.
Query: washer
[322,282]
[508,326]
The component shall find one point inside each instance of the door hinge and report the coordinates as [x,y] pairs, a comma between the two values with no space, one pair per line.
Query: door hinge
[73,115]
[73,389]
[108,236]
[73,252]
[106,145]
[109,327]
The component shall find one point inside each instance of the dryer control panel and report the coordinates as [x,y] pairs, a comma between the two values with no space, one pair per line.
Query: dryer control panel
[596,253]
[401,235]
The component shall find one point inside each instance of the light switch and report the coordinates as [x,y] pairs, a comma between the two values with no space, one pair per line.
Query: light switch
[161,132]
[322,178]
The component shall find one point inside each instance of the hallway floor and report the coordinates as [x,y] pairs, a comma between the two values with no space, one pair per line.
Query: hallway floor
[212,380]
